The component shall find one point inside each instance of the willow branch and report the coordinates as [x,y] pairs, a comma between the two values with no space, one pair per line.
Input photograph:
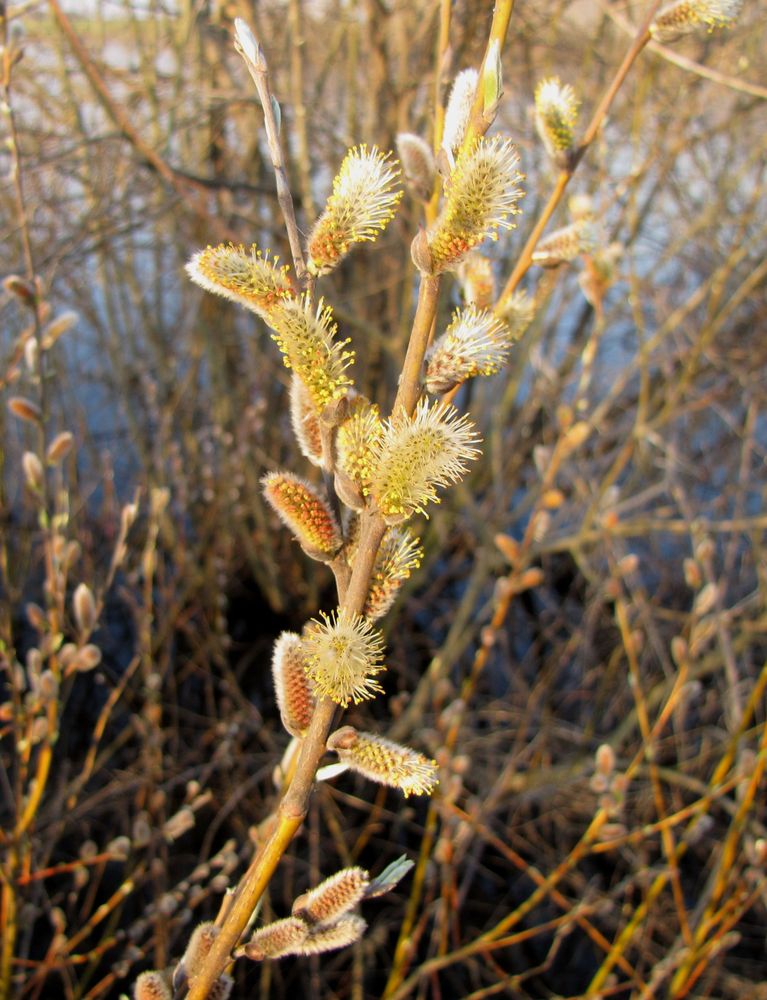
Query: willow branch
[525,258]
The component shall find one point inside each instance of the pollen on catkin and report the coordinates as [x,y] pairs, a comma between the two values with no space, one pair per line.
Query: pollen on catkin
[480,195]
[245,276]
[344,654]
[292,687]
[332,898]
[305,421]
[418,454]
[685,16]
[400,552]
[363,202]
[306,337]
[356,441]
[299,506]
[458,111]
[385,762]
[475,343]
[556,114]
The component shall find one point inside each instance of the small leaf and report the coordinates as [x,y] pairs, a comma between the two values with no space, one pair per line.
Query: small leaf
[389,877]
[331,771]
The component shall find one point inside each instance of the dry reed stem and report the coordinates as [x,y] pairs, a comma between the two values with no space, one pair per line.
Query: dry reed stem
[667,838]
[539,878]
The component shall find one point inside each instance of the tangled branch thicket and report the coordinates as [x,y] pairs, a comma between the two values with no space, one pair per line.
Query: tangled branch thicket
[562,667]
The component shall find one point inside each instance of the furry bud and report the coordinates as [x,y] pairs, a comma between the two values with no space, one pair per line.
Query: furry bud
[333,897]
[293,689]
[299,506]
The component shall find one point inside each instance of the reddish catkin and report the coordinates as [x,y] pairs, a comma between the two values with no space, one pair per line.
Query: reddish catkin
[300,506]
[292,686]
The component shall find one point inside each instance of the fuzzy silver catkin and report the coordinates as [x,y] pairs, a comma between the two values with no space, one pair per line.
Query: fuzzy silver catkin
[364,199]
[276,939]
[417,455]
[458,111]
[333,897]
[152,986]
[305,421]
[329,937]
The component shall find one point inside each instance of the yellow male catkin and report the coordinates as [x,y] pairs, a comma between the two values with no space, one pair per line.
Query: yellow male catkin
[685,16]
[475,343]
[481,194]
[356,442]
[344,654]
[385,762]
[556,114]
[361,206]
[400,553]
[245,276]
[306,337]
[418,454]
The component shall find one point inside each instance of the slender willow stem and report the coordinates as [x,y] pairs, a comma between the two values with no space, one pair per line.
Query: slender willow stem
[409,390]
[295,803]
